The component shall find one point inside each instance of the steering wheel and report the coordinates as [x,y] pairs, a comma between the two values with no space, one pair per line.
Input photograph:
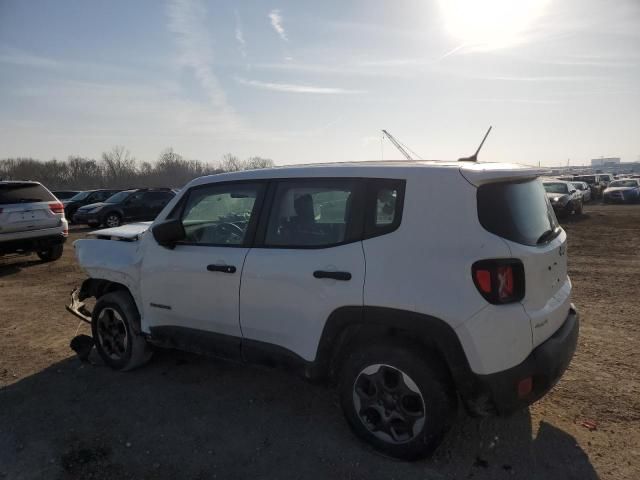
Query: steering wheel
[227,228]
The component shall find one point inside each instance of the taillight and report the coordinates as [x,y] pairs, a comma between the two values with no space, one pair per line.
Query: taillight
[56,207]
[499,280]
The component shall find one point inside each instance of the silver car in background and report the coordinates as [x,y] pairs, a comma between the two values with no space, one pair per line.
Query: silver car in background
[584,189]
[31,220]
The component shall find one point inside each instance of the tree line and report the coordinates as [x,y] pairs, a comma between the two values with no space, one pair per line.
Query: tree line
[117,168]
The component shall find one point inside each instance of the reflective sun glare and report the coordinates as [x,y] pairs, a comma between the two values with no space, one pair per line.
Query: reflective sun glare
[490,24]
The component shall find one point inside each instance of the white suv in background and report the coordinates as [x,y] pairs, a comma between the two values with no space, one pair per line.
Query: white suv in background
[408,285]
[31,220]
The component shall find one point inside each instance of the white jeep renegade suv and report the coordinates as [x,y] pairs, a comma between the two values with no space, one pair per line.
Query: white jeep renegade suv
[409,285]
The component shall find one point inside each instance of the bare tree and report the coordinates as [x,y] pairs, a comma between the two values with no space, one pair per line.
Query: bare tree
[231,163]
[118,169]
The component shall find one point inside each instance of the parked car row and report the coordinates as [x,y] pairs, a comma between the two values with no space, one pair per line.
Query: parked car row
[602,186]
[35,220]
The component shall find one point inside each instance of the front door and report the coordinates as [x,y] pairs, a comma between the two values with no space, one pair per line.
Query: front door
[309,262]
[133,207]
[191,292]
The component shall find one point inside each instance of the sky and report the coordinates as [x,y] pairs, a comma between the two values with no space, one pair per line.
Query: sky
[304,82]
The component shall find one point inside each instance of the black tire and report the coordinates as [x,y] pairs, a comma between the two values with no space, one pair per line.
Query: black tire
[417,427]
[112,220]
[51,253]
[118,340]
[578,210]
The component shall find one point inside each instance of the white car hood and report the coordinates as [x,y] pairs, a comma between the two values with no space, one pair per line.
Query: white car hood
[129,232]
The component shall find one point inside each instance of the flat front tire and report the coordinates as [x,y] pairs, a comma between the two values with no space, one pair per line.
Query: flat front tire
[115,325]
[396,400]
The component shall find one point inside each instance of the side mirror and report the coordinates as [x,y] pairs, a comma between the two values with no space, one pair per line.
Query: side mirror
[168,233]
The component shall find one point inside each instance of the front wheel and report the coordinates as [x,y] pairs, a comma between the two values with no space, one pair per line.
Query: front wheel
[397,401]
[51,253]
[112,220]
[115,325]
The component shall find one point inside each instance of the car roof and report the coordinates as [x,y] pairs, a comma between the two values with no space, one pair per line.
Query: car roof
[375,168]
[19,182]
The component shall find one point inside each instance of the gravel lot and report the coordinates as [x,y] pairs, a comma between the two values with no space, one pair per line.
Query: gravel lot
[189,417]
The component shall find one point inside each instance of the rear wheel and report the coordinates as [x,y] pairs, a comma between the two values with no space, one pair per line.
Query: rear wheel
[396,401]
[115,325]
[51,253]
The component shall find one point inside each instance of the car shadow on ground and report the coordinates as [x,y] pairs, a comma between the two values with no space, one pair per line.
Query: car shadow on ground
[189,417]
[12,264]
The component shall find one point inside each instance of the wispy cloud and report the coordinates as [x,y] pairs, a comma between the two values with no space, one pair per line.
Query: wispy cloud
[291,88]
[242,44]
[24,59]
[276,23]
[186,22]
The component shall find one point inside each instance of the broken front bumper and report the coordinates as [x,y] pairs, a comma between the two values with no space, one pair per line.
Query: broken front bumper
[78,308]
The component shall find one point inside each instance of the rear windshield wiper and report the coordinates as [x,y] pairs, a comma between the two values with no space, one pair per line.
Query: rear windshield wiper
[547,235]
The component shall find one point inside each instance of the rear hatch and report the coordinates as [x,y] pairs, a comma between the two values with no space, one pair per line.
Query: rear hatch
[27,206]
[517,210]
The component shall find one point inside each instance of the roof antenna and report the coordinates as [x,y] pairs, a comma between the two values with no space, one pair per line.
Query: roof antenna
[474,157]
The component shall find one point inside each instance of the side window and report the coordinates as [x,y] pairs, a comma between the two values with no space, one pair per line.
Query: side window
[312,213]
[385,201]
[157,199]
[98,197]
[135,199]
[220,214]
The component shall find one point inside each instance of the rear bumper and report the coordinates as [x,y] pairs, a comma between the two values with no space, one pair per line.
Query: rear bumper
[544,366]
[32,244]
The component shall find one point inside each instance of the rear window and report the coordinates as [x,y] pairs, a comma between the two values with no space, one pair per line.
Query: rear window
[517,211]
[24,193]
[556,187]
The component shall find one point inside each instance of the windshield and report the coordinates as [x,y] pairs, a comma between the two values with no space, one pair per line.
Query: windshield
[589,179]
[517,211]
[24,193]
[556,187]
[119,197]
[79,196]
[624,183]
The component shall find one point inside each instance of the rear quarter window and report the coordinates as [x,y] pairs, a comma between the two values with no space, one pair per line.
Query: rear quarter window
[24,193]
[516,211]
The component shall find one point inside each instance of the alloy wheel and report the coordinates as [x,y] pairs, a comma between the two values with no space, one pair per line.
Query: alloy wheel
[112,333]
[389,403]
[112,221]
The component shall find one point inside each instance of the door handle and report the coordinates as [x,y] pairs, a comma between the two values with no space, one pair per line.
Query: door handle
[222,268]
[344,276]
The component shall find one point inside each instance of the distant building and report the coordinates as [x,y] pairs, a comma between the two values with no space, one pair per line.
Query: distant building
[605,162]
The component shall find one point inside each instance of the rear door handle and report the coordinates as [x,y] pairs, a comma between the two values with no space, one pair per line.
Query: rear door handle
[344,276]
[222,268]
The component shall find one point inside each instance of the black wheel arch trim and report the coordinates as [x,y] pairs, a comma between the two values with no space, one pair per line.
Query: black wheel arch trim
[347,324]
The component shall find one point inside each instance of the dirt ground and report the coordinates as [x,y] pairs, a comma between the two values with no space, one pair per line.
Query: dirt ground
[188,417]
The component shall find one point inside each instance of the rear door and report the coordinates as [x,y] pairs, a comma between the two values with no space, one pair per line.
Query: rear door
[26,206]
[307,262]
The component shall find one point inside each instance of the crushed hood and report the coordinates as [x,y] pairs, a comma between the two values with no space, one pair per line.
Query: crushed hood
[131,231]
